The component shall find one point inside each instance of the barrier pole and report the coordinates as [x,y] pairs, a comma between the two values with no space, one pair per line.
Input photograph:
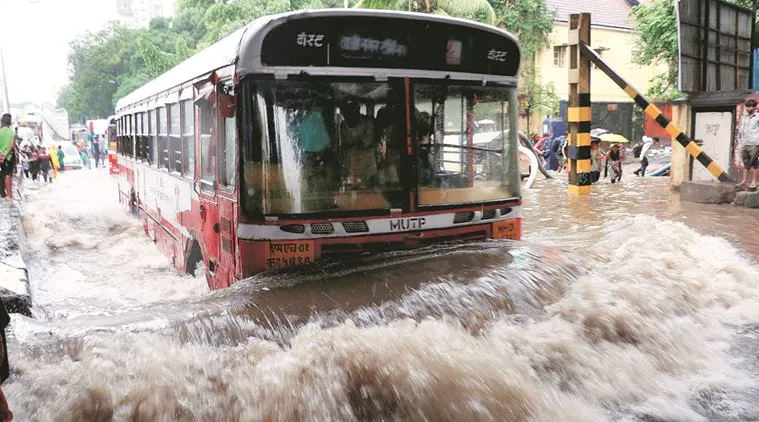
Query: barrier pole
[579,111]
[653,112]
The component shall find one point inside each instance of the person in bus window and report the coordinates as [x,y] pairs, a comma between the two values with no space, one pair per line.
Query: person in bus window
[357,143]
[317,162]
[424,147]
[389,160]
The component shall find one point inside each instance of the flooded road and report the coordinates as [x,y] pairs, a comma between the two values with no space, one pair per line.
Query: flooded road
[627,306]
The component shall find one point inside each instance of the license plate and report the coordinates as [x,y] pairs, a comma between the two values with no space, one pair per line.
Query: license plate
[507,229]
[281,254]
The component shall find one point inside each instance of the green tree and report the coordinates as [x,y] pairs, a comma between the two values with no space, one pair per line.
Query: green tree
[656,33]
[480,10]
[531,20]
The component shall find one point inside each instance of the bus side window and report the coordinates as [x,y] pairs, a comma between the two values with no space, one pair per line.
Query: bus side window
[252,146]
[136,135]
[188,138]
[175,139]
[144,138]
[207,148]
[130,132]
[163,138]
[153,137]
[137,132]
[227,140]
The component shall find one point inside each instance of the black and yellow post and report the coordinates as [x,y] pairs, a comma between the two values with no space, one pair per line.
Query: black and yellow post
[579,111]
[652,111]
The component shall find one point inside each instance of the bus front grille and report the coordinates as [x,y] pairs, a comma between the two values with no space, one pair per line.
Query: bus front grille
[356,227]
[293,228]
[488,214]
[322,228]
[463,217]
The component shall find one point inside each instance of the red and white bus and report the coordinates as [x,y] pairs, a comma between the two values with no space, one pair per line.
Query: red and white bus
[318,133]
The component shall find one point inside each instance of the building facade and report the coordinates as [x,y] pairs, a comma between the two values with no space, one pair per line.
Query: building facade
[612,35]
[139,13]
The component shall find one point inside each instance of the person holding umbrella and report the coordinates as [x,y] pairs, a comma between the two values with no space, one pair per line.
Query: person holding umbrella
[614,161]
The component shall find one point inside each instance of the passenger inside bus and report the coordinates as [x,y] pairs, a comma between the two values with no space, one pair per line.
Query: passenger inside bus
[316,156]
[359,152]
[390,148]
[425,149]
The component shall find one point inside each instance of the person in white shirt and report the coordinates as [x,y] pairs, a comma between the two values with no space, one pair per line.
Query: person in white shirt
[644,153]
[749,137]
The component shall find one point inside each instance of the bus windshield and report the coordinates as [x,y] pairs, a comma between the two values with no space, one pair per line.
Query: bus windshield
[332,146]
[318,145]
[464,144]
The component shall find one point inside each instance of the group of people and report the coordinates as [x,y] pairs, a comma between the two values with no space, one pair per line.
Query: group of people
[612,159]
[38,163]
[92,153]
[554,152]
[365,147]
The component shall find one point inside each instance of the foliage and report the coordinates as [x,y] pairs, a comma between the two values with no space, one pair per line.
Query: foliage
[656,33]
[480,10]
[109,64]
[529,19]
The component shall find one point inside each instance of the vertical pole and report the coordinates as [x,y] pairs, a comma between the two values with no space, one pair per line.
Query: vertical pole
[579,111]
[751,65]
[6,98]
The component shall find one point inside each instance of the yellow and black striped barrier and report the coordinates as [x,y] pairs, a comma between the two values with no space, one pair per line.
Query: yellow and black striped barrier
[579,112]
[652,111]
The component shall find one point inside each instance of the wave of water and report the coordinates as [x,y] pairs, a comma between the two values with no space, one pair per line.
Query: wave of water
[610,326]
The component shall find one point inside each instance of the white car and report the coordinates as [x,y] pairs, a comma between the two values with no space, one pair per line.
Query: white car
[71,158]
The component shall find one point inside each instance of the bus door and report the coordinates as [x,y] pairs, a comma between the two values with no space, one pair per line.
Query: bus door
[226,194]
[206,182]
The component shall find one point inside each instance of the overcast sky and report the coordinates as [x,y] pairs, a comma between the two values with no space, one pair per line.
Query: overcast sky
[35,35]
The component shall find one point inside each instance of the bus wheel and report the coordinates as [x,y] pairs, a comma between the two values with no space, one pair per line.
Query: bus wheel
[193,258]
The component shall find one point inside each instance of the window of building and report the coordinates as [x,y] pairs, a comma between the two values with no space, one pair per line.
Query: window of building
[163,138]
[559,53]
[188,138]
[175,138]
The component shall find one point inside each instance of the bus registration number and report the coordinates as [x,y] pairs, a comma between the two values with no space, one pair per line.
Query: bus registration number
[508,229]
[281,254]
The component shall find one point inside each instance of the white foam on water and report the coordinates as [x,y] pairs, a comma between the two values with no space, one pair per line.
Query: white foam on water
[644,332]
[88,256]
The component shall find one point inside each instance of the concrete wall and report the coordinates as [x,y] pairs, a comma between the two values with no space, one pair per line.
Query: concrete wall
[680,171]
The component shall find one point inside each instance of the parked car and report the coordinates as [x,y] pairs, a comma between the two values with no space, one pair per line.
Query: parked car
[71,158]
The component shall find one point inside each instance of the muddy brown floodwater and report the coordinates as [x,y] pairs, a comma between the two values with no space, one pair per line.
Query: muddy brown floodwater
[628,306]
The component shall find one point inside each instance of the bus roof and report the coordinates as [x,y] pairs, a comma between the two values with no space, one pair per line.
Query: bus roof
[293,42]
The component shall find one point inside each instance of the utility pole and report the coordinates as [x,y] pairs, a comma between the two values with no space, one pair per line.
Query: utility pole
[6,98]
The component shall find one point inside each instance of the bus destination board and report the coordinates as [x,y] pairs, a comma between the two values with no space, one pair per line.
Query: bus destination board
[383,42]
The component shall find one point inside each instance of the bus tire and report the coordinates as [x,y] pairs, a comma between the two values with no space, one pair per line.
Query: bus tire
[193,258]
